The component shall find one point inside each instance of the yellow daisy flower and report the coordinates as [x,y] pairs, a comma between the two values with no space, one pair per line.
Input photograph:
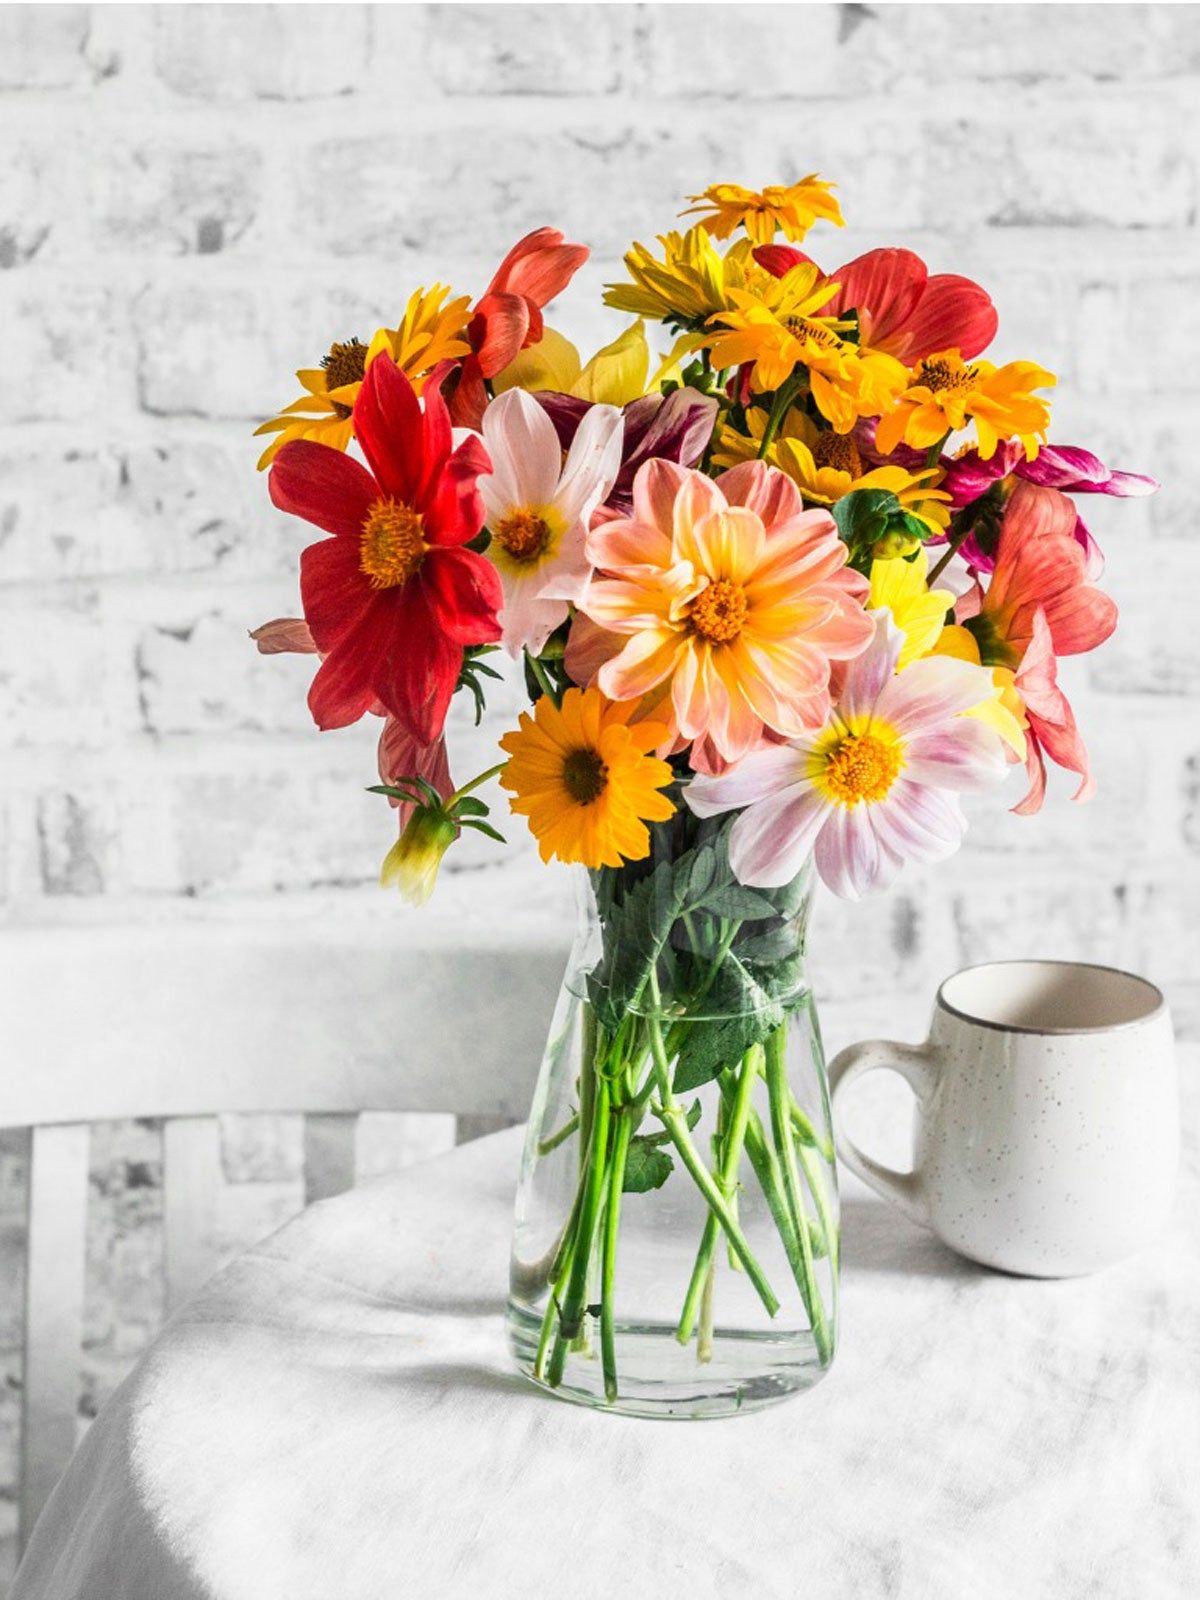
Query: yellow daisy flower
[586,780]
[825,465]
[430,331]
[792,207]
[918,611]
[690,281]
[944,393]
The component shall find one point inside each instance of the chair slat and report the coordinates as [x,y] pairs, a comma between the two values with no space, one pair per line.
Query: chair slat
[54,1281]
[329,1140]
[191,1177]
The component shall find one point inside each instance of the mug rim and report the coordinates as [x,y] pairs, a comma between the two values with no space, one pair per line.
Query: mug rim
[1158,1009]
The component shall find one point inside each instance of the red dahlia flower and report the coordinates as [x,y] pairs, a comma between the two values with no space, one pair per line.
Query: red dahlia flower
[901,309]
[392,598]
[509,314]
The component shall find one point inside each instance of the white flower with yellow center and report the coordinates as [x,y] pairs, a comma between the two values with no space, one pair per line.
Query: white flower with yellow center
[877,786]
[538,508]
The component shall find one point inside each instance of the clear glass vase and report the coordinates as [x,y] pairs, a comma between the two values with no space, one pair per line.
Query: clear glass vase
[676,1242]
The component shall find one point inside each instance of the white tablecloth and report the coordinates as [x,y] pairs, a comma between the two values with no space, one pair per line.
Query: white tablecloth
[336,1419]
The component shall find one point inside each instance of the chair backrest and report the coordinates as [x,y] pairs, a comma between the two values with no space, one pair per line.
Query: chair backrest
[185,1022]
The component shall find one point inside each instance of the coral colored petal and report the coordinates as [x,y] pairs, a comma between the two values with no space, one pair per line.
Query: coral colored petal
[763,489]
[324,486]
[498,331]
[286,635]
[770,842]
[646,659]
[540,266]
[654,491]
[616,545]
[589,646]
[952,312]
[724,544]
[389,426]
[884,287]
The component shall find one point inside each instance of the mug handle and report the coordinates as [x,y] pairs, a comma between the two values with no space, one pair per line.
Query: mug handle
[915,1064]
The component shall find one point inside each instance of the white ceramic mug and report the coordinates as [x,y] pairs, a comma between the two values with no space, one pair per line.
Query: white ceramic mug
[1047,1121]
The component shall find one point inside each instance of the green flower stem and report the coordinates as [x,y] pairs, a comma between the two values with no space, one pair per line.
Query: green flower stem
[476,782]
[552,1141]
[809,1135]
[543,678]
[572,1310]
[815,1178]
[553,1304]
[784,395]
[739,1115]
[612,1216]
[779,1099]
[674,1119]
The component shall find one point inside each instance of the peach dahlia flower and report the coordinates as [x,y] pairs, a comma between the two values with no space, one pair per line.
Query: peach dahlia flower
[732,596]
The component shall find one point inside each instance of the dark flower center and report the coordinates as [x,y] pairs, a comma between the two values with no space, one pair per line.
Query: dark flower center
[584,776]
[344,364]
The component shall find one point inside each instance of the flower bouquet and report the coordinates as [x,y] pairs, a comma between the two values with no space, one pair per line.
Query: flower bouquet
[781,593]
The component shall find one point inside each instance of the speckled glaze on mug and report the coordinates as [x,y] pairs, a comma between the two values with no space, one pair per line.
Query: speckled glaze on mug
[1046,1134]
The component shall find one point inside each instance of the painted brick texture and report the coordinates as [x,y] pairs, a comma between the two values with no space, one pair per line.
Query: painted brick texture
[195,199]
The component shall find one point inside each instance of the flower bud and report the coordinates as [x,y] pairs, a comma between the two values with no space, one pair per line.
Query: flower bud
[411,865]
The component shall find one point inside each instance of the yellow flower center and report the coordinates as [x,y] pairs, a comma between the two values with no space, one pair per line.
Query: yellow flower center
[345,363]
[584,776]
[524,535]
[947,375]
[839,451]
[391,548]
[719,612]
[861,767]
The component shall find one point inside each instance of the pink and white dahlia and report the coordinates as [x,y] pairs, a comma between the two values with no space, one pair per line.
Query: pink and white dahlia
[538,508]
[877,786]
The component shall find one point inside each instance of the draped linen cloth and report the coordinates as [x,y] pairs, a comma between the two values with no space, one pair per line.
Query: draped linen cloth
[336,1418]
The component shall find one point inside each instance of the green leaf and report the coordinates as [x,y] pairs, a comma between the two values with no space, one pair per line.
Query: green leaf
[862,516]
[737,903]
[710,1047]
[483,827]
[637,932]
[646,1166]
[471,805]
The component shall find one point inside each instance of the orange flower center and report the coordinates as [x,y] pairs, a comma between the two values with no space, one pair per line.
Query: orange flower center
[524,535]
[719,612]
[812,332]
[839,451]
[391,548]
[584,776]
[947,376]
[345,363]
[861,767]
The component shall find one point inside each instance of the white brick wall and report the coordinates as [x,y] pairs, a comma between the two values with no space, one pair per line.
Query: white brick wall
[194,200]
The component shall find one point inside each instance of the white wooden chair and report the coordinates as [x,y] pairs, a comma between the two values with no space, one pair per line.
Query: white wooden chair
[185,1022]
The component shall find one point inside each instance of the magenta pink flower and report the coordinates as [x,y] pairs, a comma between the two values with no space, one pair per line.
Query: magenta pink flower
[877,786]
[1064,467]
